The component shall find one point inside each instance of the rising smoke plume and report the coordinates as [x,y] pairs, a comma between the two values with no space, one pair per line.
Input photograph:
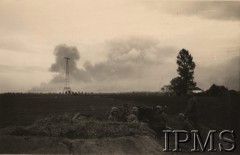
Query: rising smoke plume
[135,64]
[126,59]
[62,51]
[128,63]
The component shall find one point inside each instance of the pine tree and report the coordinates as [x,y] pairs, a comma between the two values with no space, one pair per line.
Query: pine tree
[186,66]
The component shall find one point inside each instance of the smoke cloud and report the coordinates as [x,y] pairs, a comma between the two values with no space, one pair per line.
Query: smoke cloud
[135,64]
[62,51]
[59,67]
[128,63]
[129,59]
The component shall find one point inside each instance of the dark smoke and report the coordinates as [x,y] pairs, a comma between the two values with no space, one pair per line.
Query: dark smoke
[62,51]
[127,61]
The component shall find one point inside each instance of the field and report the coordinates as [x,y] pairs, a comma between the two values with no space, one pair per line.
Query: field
[23,109]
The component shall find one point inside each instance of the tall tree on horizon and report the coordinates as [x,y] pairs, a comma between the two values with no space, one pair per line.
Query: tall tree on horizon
[185,80]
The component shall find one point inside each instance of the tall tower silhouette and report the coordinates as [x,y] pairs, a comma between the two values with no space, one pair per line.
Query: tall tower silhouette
[67,88]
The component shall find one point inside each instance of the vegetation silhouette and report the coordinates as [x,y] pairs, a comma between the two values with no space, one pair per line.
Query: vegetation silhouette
[184,82]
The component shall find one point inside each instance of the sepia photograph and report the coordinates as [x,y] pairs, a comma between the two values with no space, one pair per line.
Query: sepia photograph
[121,77]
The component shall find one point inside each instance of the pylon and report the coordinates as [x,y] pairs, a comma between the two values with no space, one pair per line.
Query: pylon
[67,88]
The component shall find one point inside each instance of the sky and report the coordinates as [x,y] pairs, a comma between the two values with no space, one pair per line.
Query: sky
[116,46]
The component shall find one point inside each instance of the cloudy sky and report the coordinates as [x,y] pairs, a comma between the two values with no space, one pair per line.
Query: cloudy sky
[115,46]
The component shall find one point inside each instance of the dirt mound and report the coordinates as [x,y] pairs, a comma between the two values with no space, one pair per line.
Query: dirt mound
[83,127]
[83,135]
[53,145]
